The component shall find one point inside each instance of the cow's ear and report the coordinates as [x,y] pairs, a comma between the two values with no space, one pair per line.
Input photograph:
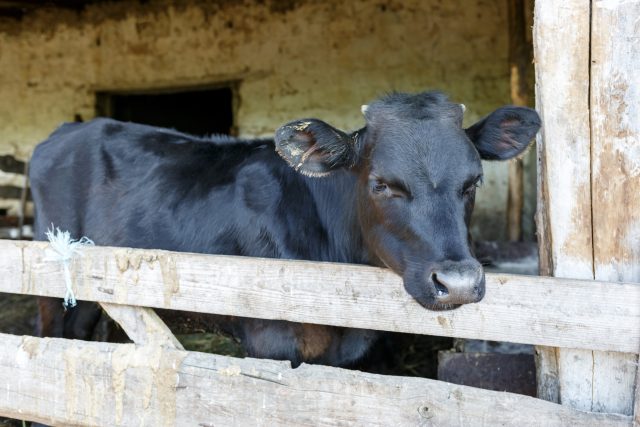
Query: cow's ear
[505,133]
[315,148]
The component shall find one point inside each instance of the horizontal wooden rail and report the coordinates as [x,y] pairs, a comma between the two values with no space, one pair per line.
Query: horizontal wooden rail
[523,309]
[59,381]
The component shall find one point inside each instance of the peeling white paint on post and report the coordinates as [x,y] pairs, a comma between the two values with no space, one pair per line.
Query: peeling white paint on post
[590,175]
[615,172]
[564,202]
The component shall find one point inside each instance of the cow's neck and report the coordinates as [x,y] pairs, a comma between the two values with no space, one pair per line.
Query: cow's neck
[336,205]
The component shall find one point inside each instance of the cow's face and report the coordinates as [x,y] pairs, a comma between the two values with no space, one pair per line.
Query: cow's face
[417,172]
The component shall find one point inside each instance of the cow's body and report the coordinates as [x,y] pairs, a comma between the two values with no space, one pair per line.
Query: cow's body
[123,184]
[131,185]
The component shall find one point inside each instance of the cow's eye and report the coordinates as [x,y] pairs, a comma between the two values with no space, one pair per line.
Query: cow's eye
[472,185]
[383,189]
[380,187]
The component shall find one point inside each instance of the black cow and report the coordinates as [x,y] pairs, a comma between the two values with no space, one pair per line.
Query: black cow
[398,193]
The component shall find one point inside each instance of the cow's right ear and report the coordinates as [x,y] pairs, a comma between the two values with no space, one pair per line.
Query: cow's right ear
[315,148]
[505,133]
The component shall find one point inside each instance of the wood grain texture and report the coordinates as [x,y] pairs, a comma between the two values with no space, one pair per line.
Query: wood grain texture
[564,181]
[525,309]
[142,325]
[591,226]
[68,382]
[564,149]
[615,176]
[520,57]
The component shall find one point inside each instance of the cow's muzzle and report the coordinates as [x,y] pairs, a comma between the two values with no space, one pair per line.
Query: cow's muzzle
[457,282]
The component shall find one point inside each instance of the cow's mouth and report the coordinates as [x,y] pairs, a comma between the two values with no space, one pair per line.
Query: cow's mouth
[430,305]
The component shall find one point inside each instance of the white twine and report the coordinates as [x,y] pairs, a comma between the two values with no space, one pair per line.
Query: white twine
[63,249]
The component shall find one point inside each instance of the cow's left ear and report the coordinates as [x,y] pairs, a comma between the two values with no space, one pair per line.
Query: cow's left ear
[505,133]
[315,148]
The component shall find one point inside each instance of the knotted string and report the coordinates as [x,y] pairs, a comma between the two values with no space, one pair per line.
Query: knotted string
[63,249]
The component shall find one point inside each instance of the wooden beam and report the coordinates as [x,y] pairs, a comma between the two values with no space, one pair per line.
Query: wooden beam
[142,325]
[590,173]
[615,176]
[58,381]
[564,164]
[515,200]
[533,310]
[520,57]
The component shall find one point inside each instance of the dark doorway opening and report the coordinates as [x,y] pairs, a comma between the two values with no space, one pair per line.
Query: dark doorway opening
[197,112]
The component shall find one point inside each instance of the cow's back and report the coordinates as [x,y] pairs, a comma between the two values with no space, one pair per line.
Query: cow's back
[124,184]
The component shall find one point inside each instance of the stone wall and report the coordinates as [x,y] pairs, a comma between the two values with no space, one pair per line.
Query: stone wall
[290,59]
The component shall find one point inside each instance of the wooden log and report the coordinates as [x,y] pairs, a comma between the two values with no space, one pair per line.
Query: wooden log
[515,200]
[24,196]
[615,176]
[564,164]
[524,309]
[520,57]
[60,381]
[13,207]
[142,325]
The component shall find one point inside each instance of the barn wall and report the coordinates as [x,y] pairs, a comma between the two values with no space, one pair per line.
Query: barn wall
[290,59]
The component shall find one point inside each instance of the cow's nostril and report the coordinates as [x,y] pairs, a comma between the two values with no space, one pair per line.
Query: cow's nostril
[441,289]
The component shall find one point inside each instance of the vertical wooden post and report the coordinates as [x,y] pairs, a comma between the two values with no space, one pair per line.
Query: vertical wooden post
[589,177]
[564,163]
[519,63]
[615,176]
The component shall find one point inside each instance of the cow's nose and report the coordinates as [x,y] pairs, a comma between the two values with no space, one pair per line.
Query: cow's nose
[457,282]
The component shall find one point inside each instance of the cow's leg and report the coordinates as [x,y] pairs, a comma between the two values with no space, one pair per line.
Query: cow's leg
[78,322]
[352,346]
[81,320]
[50,320]
[271,339]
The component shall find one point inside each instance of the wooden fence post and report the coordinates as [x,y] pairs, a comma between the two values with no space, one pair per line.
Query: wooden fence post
[519,64]
[564,204]
[615,176]
[589,188]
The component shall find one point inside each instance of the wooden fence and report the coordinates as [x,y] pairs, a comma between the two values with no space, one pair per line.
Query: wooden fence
[587,57]
[587,54]
[156,382]
[16,207]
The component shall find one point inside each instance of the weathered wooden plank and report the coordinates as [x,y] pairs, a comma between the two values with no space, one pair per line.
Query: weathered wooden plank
[142,325]
[615,176]
[607,161]
[564,164]
[14,206]
[82,383]
[562,99]
[11,179]
[532,310]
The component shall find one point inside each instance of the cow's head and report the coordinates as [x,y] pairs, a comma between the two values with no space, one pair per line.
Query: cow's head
[417,172]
